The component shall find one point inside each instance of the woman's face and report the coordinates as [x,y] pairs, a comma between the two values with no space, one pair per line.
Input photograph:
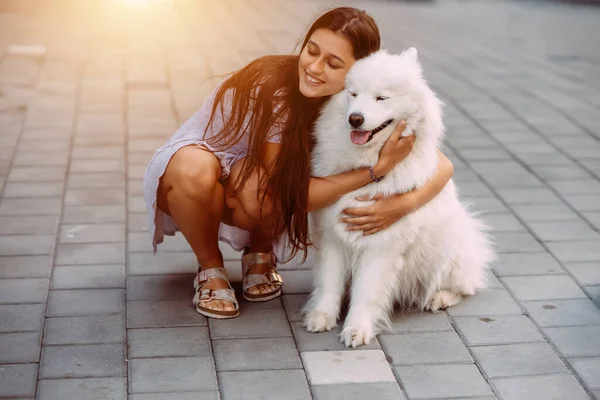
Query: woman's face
[324,63]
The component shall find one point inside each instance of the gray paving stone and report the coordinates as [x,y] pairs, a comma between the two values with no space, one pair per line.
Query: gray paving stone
[95,214]
[252,324]
[89,277]
[583,202]
[593,218]
[137,222]
[24,225]
[152,287]
[34,206]
[528,196]
[576,186]
[256,354]
[34,189]
[67,303]
[91,253]
[94,196]
[95,329]
[562,230]
[272,385]
[497,330]
[87,388]
[487,302]
[594,293]
[450,381]
[22,347]
[16,291]
[98,152]
[37,174]
[504,223]
[511,242]
[97,165]
[141,242]
[518,359]
[18,380]
[487,205]
[335,367]
[25,266]
[90,233]
[155,375]
[163,313]
[544,212]
[87,361]
[420,322]
[425,348]
[358,391]
[161,263]
[22,317]
[540,387]
[206,395]
[575,341]
[513,264]
[585,273]
[587,369]
[293,304]
[22,245]
[559,172]
[563,312]
[168,342]
[543,287]
[96,180]
[323,341]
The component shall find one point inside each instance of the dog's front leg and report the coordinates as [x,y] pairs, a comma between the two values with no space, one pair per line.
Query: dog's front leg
[374,291]
[323,307]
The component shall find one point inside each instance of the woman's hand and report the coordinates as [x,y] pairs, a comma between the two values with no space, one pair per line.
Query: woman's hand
[379,215]
[395,149]
[387,210]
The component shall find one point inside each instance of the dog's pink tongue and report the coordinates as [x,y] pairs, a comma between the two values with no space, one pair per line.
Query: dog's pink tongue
[359,137]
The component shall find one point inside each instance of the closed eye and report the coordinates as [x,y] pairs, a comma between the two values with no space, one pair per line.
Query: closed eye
[381,98]
[352,94]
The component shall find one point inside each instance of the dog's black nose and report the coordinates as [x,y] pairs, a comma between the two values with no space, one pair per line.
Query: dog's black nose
[356,120]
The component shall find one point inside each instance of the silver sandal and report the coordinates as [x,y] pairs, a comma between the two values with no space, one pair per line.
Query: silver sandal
[261,278]
[204,296]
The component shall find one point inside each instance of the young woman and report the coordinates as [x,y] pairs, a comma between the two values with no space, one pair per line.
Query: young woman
[239,169]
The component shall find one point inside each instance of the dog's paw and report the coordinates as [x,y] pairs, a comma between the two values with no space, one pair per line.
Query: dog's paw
[442,300]
[318,321]
[354,336]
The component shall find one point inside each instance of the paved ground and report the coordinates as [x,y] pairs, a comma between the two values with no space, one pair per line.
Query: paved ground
[86,311]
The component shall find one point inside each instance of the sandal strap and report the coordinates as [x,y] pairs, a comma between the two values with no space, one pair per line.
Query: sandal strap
[208,295]
[205,275]
[271,278]
[250,259]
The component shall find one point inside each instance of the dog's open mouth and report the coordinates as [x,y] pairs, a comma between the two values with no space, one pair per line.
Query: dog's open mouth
[361,137]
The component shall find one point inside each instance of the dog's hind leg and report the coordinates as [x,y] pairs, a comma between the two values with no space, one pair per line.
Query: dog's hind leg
[374,291]
[323,307]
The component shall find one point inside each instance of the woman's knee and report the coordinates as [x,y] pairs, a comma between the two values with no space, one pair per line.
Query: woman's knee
[193,172]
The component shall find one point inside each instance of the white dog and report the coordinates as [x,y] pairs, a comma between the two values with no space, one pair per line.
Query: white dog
[431,257]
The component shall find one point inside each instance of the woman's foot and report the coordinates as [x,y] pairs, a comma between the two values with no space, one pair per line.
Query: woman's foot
[214,296]
[261,282]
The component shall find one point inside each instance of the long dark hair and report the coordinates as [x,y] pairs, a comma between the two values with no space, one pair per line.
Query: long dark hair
[274,80]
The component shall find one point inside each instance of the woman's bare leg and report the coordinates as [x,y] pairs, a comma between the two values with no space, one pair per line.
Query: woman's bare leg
[190,192]
[247,213]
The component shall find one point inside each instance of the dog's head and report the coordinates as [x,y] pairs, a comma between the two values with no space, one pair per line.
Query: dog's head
[382,90]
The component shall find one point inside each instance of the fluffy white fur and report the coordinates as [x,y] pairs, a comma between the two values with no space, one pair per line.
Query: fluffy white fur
[432,257]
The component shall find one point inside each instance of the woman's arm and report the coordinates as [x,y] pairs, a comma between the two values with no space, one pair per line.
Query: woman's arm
[323,192]
[387,210]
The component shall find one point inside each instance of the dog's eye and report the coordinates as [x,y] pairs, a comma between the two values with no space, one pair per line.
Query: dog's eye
[352,94]
[381,98]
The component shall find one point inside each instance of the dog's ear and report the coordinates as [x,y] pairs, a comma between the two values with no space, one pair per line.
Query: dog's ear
[412,53]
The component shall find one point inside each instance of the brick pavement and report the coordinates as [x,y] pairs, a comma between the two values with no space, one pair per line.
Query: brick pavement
[86,311]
